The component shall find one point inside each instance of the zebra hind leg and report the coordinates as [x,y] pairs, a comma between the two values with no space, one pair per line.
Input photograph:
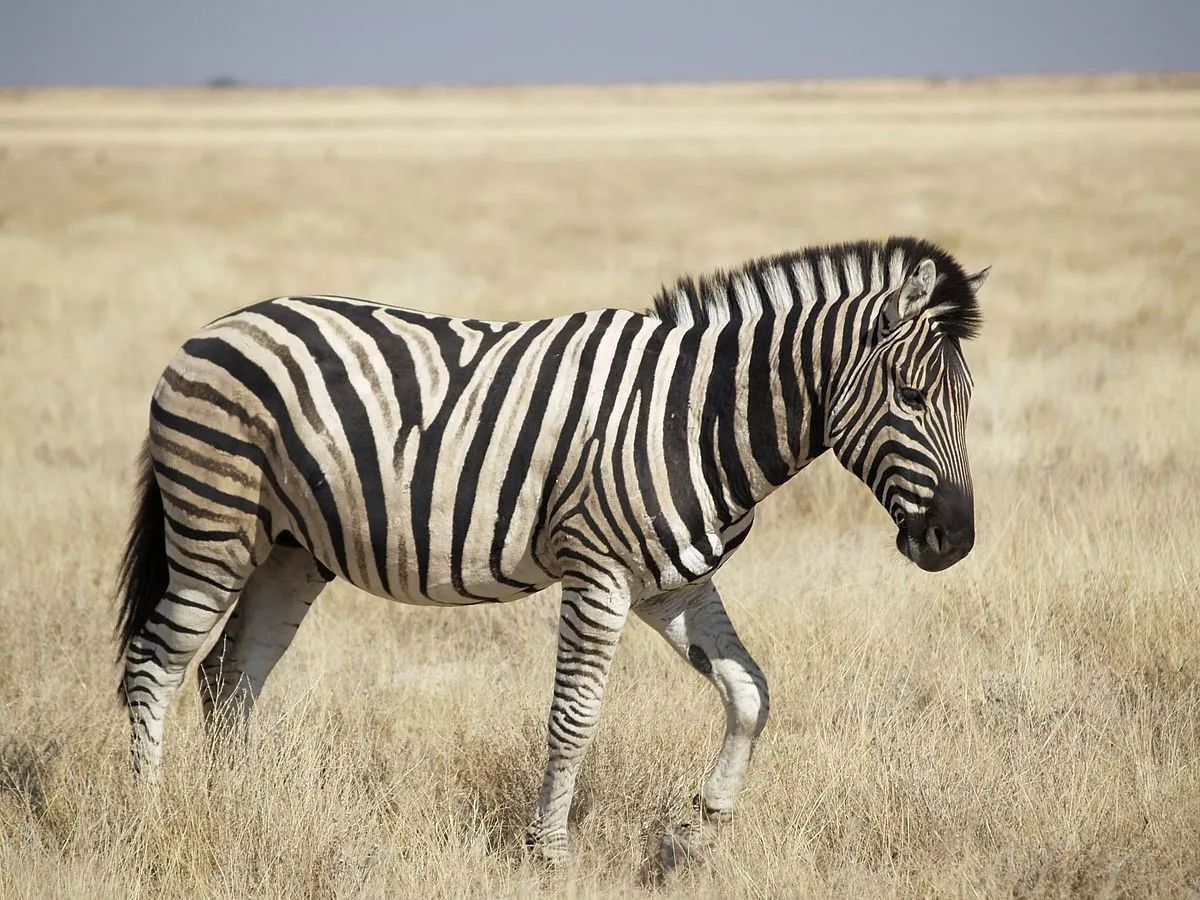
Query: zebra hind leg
[258,632]
[165,638]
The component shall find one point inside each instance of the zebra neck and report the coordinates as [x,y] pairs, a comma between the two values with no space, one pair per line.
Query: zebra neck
[757,407]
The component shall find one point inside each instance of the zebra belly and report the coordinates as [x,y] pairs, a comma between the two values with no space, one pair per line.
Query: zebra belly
[431,564]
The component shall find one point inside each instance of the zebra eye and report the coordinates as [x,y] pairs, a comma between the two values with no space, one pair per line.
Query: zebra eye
[912,398]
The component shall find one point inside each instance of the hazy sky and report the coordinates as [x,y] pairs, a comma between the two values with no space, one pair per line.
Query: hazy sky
[503,41]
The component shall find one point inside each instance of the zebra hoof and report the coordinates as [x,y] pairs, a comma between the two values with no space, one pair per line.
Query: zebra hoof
[711,813]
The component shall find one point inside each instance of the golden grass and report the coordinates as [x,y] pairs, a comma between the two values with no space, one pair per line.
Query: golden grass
[1027,723]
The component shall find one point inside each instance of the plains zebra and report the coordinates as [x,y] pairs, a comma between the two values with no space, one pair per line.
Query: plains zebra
[445,461]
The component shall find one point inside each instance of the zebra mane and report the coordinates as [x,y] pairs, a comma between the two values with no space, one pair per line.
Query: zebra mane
[716,297]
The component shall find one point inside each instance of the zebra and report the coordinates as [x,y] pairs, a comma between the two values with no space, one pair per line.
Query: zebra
[447,461]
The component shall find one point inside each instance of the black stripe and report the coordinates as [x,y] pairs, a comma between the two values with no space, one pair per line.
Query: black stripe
[789,379]
[392,347]
[485,419]
[622,489]
[356,426]
[588,539]
[549,371]
[603,410]
[567,432]
[678,441]
[643,462]
[204,560]
[181,601]
[204,535]
[586,620]
[816,436]
[192,573]
[760,402]
[429,449]
[205,490]
[146,635]
[157,618]
[720,413]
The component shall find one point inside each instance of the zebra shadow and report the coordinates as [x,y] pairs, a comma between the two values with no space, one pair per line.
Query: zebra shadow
[25,772]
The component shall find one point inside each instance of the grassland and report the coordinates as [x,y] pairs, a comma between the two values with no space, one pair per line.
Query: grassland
[1025,724]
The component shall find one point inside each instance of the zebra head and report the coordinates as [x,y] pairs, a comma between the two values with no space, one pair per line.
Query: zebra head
[898,420]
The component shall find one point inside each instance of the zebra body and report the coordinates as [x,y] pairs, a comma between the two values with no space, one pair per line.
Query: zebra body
[447,462]
[454,492]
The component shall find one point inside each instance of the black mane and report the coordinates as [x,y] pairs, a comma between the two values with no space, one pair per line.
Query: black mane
[699,300]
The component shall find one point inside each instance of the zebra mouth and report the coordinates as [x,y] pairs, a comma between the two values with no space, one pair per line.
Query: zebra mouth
[932,549]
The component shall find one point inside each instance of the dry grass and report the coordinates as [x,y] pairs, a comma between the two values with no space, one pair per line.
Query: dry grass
[1025,724]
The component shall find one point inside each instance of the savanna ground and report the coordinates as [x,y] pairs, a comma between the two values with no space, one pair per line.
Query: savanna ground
[1027,723]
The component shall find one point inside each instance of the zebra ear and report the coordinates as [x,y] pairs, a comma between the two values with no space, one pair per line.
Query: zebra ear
[917,291]
[975,282]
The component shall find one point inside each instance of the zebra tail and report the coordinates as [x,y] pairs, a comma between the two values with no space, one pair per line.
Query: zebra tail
[143,574]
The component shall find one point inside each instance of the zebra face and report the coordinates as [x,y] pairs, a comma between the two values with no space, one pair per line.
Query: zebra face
[899,422]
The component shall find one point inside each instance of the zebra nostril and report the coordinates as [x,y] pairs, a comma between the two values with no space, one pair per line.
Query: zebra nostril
[936,538]
[901,518]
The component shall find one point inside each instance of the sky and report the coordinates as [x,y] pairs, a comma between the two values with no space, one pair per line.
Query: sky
[304,42]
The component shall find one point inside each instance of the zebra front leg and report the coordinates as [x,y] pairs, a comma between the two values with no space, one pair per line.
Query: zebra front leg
[693,621]
[589,628]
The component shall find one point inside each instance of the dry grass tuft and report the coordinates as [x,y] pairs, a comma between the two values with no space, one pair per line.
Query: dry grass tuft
[1027,724]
